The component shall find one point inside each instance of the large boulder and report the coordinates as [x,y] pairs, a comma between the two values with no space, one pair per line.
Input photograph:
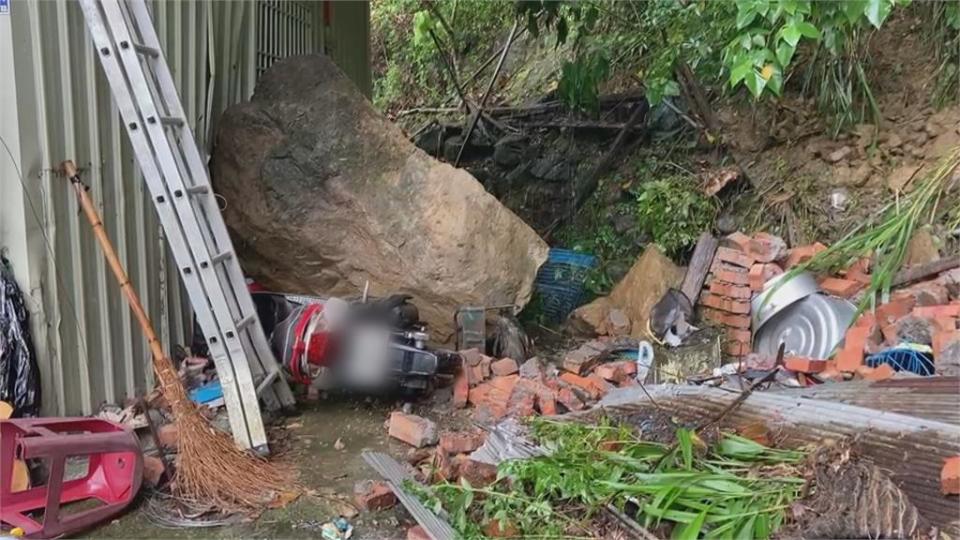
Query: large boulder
[323,195]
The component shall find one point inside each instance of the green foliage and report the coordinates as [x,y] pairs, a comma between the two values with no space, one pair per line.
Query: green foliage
[408,68]
[674,212]
[736,488]
[769,32]
[580,80]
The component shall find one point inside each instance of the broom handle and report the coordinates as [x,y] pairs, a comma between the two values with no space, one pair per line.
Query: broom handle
[70,169]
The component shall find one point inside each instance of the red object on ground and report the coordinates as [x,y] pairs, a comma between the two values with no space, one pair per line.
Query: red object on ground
[734,257]
[802,254]
[805,365]
[879,373]
[461,387]
[851,356]
[373,496]
[950,476]
[114,472]
[844,288]
[504,367]
[418,533]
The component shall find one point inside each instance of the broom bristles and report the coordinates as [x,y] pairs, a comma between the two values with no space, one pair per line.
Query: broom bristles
[210,467]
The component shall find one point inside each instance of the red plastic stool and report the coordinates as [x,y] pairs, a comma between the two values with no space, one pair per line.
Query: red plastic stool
[114,472]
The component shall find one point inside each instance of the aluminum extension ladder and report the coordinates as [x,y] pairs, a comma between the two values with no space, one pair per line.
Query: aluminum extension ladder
[179,185]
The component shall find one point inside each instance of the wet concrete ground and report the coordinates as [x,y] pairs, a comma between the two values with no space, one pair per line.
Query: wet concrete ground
[324,471]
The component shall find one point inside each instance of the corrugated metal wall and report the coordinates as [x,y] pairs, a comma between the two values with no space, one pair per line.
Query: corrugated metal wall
[89,347]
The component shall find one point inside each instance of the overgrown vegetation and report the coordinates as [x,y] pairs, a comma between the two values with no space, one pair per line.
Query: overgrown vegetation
[732,488]
[653,200]
[759,45]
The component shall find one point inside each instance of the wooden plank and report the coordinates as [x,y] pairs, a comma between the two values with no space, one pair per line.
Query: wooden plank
[699,266]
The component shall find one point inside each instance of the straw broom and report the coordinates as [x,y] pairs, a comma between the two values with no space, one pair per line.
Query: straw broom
[211,469]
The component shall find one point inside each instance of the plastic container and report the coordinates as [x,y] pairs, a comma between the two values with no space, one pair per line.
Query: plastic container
[560,281]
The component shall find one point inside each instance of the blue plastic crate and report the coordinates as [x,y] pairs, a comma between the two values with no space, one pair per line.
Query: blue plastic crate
[560,281]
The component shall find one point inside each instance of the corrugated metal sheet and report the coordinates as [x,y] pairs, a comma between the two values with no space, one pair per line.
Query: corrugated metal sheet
[934,398]
[89,349]
[912,449]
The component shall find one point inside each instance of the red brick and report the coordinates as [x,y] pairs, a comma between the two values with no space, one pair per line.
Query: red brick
[460,442]
[730,320]
[765,247]
[734,257]
[497,529]
[740,307]
[418,533]
[867,320]
[471,356]
[485,364]
[442,467]
[373,496]
[474,375]
[522,402]
[168,436]
[880,373]
[547,403]
[587,385]
[936,312]
[802,254]
[736,276]
[504,367]
[859,271]
[479,474]
[152,470]
[942,340]
[735,348]
[568,399]
[738,241]
[926,293]
[504,385]
[805,365]
[412,429]
[831,373]
[610,372]
[944,324]
[617,371]
[736,334]
[730,290]
[461,388]
[894,310]
[850,356]
[601,384]
[950,476]
[844,288]
[761,273]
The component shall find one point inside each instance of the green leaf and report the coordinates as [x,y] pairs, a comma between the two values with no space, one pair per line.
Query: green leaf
[745,17]
[808,30]
[685,442]
[690,531]
[877,11]
[739,72]
[755,83]
[854,9]
[791,34]
[785,53]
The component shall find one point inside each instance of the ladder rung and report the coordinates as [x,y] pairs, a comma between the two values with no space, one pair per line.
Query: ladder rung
[193,190]
[171,121]
[142,49]
[266,382]
[220,257]
[245,322]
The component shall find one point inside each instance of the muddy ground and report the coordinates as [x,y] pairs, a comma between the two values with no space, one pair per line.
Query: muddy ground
[324,470]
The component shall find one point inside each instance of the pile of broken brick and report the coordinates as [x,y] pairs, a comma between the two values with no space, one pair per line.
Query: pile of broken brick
[743,265]
[497,389]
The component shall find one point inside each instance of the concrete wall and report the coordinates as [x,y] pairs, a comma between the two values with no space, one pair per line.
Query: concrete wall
[55,104]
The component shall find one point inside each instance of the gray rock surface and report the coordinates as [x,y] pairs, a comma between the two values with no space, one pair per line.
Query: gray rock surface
[324,194]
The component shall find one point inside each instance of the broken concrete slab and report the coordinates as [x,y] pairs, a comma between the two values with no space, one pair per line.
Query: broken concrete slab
[325,195]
